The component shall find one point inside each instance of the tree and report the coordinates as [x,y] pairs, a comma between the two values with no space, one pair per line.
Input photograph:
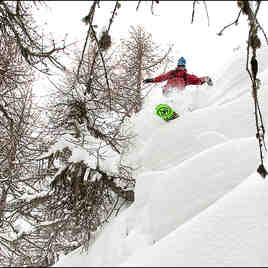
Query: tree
[22,50]
[17,24]
[140,57]
[20,148]
[89,182]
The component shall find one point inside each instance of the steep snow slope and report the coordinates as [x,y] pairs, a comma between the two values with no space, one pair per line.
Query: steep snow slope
[182,138]
[230,233]
[198,201]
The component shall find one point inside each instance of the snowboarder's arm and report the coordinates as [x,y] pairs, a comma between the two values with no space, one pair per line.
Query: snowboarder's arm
[162,77]
[194,80]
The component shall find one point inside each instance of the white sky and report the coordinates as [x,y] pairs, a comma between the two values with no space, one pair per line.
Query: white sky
[171,24]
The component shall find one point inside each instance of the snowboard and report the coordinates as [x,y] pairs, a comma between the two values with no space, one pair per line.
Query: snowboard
[165,112]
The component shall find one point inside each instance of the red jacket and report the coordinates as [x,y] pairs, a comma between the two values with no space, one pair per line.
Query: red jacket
[179,78]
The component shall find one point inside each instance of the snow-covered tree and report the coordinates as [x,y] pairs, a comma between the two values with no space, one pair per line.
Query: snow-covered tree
[89,181]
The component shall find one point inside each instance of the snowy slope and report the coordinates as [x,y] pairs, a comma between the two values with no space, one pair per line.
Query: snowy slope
[198,199]
[230,233]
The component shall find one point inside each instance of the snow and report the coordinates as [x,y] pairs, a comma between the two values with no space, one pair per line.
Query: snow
[21,226]
[30,195]
[231,232]
[109,161]
[198,198]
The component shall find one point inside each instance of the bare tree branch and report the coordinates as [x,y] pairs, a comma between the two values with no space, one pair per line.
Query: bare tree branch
[227,26]
[193,11]
[205,4]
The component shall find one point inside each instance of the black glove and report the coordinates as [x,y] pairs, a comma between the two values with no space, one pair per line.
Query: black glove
[148,80]
[208,81]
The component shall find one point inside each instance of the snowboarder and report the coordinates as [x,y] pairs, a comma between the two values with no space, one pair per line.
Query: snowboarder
[179,78]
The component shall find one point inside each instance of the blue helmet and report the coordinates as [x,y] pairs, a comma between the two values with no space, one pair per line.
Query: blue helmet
[181,61]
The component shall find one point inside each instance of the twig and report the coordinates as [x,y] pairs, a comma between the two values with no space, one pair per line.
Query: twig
[103,62]
[138,5]
[265,36]
[152,7]
[254,43]
[205,4]
[235,22]
[112,18]
[159,61]
[90,20]
[193,12]
[83,52]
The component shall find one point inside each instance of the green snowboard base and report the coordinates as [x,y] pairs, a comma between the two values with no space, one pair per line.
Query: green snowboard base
[165,112]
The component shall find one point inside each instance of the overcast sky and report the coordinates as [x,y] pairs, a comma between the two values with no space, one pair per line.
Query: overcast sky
[199,43]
